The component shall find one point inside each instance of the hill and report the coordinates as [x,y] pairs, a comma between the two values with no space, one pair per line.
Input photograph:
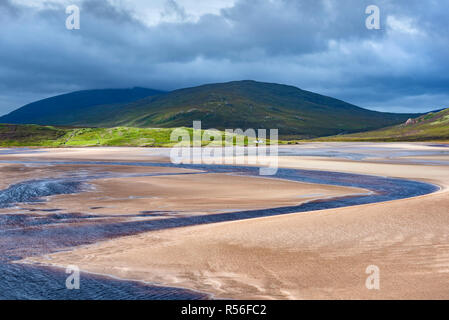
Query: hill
[433,126]
[240,104]
[72,108]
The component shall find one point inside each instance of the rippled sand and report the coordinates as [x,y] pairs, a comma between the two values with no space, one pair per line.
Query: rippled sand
[172,192]
[316,255]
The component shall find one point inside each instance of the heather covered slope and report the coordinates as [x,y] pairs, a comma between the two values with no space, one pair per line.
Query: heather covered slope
[433,126]
[76,108]
[250,104]
[240,104]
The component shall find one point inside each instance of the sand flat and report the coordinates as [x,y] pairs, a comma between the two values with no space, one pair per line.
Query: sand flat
[317,255]
[195,194]
[322,255]
[174,191]
[92,154]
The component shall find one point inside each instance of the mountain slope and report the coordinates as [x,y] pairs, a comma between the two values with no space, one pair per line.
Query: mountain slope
[433,126]
[250,104]
[72,108]
[239,104]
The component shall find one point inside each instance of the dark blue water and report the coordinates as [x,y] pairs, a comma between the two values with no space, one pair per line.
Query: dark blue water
[23,235]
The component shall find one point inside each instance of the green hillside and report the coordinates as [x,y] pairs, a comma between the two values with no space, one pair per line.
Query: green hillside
[240,104]
[49,136]
[74,108]
[29,135]
[433,126]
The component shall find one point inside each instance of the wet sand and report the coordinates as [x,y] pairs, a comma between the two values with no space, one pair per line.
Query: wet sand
[194,194]
[171,191]
[310,255]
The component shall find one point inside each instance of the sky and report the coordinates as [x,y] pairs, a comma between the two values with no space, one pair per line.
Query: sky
[319,45]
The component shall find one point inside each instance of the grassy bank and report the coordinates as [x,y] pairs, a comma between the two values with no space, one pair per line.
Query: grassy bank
[49,136]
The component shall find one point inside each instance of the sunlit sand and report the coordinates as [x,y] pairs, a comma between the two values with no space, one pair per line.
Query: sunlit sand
[308,255]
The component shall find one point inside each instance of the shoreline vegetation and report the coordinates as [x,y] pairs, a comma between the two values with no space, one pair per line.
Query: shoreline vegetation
[431,127]
[63,137]
[12,135]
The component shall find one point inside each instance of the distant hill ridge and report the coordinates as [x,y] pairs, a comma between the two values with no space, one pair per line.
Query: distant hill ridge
[66,108]
[238,104]
[433,126]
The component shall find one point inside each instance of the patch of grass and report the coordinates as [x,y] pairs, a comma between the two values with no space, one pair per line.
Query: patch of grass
[30,135]
[40,136]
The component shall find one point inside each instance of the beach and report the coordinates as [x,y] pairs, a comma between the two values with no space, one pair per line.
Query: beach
[308,255]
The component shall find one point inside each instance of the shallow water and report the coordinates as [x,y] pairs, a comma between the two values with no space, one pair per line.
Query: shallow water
[24,282]
[23,235]
[361,152]
[18,150]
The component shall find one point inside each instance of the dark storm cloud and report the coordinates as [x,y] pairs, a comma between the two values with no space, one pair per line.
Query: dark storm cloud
[317,45]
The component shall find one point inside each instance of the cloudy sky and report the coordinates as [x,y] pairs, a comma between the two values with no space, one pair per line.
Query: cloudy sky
[318,45]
